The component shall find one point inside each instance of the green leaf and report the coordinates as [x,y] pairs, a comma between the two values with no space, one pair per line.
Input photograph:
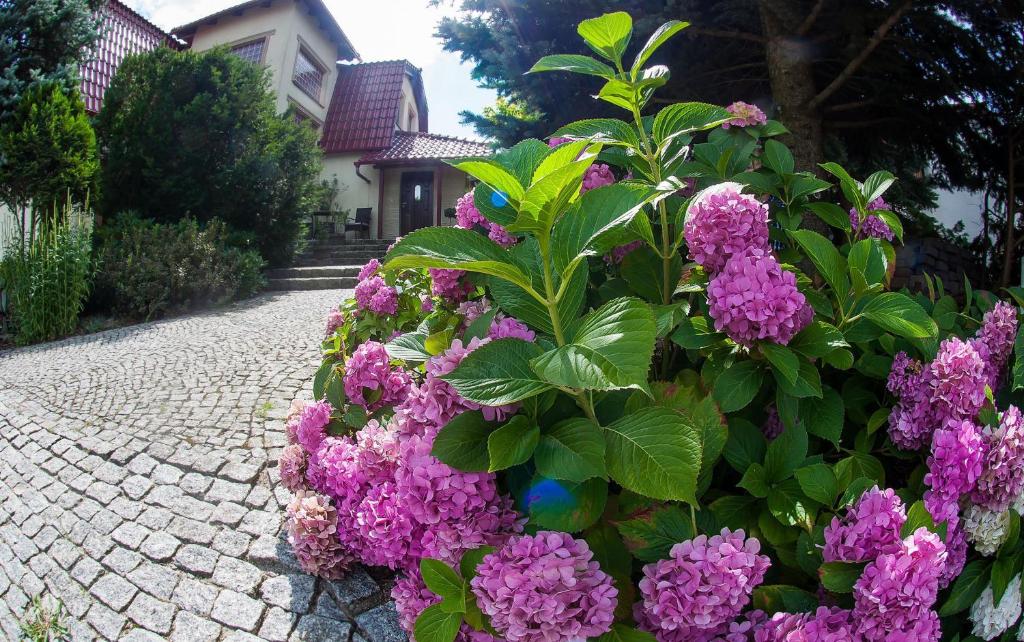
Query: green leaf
[851,188]
[824,417]
[778,157]
[773,598]
[783,360]
[854,490]
[839,577]
[334,392]
[445,582]
[655,452]
[755,481]
[471,559]
[564,505]
[611,349]
[826,259]
[512,444]
[967,587]
[573,450]
[786,452]
[876,184]
[859,465]
[614,559]
[738,385]
[408,347]
[573,63]
[919,517]
[651,536]
[454,248]
[790,506]
[321,376]
[901,315]
[867,257]
[831,214]
[694,333]
[608,34]
[552,194]
[818,339]
[745,446]
[498,373]
[734,511]
[893,221]
[658,38]
[1003,570]
[643,270]
[521,160]
[1018,362]
[808,382]
[520,304]
[623,633]
[599,221]
[818,482]
[610,131]
[491,173]
[434,625]
[462,443]
[481,326]
[686,118]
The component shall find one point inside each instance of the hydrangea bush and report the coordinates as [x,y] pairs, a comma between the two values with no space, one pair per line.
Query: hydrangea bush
[655,385]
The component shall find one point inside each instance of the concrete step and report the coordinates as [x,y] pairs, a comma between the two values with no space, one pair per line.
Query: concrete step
[342,256]
[329,261]
[312,283]
[309,271]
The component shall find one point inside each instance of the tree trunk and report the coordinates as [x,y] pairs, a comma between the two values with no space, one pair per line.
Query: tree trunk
[790,73]
[1010,242]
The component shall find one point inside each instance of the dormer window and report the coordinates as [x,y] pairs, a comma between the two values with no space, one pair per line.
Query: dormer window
[251,51]
[410,124]
[308,75]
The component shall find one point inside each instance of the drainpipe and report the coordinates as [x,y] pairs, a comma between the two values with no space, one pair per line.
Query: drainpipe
[368,181]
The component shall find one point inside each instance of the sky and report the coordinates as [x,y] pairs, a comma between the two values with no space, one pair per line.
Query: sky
[380,30]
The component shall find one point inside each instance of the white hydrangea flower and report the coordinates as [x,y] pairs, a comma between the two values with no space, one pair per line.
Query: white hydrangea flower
[991,620]
[986,529]
[1018,506]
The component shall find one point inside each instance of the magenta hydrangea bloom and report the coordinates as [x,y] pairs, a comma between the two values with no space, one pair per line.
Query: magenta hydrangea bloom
[754,298]
[545,588]
[772,426]
[618,254]
[335,320]
[897,590]
[369,372]
[311,425]
[473,310]
[427,304]
[467,216]
[911,421]
[449,284]
[994,341]
[824,625]
[510,328]
[369,269]
[412,597]
[870,527]
[953,468]
[872,226]
[956,554]
[291,465]
[721,223]
[555,141]
[383,527]
[501,236]
[904,376]
[703,585]
[375,295]
[745,115]
[1002,477]
[957,380]
[597,175]
[312,526]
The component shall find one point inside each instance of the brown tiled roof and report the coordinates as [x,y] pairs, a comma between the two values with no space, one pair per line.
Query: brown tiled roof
[365,105]
[124,32]
[415,146]
[316,7]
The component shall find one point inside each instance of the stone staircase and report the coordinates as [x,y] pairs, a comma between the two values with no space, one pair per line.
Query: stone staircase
[327,264]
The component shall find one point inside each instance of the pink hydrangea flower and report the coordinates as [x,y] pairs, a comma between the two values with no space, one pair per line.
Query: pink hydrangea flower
[545,588]
[510,328]
[501,236]
[870,527]
[754,298]
[292,466]
[872,226]
[369,370]
[473,310]
[597,175]
[994,341]
[703,585]
[618,254]
[555,141]
[427,304]
[904,376]
[370,269]
[449,284]
[722,223]
[953,468]
[412,597]
[383,526]
[897,590]
[335,320]
[824,625]
[312,526]
[1002,478]
[957,381]
[375,295]
[311,425]
[745,115]
[956,554]
[467,216]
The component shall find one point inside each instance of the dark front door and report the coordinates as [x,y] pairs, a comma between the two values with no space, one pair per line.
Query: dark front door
[417,202]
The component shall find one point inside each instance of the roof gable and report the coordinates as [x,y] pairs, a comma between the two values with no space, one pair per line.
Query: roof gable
[411,147]
[366,103]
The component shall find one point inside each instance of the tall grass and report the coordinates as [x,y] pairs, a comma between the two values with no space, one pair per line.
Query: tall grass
[47,276]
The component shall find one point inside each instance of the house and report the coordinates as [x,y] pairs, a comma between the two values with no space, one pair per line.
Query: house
[372,116]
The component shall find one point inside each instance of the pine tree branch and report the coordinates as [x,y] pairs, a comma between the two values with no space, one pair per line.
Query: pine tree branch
[857,104]
[860,58]
[723,33]
[809,21]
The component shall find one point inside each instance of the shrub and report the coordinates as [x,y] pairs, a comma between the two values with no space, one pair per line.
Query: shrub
[47,280]
[196,135]
[558,428]
[148,269]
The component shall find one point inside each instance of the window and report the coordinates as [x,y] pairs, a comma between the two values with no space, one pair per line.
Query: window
[309,75]
[251,51]
[411,121]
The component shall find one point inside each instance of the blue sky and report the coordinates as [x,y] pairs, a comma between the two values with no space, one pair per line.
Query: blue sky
[404,29]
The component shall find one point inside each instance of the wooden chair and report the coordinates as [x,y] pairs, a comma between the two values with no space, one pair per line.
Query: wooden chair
[362,222]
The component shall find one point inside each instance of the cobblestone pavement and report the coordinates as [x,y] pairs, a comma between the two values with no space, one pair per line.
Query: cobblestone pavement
[138,482]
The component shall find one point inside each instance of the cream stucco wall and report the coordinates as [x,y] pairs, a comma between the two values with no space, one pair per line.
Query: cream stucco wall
[353,192]
[287,26]
[408,108]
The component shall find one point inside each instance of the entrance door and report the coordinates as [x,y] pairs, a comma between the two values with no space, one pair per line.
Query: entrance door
[416,199]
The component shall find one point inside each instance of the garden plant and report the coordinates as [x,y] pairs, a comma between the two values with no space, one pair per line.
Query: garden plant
[655,385]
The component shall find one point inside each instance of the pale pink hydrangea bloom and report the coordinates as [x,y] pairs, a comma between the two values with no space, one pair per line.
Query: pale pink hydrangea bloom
[370,269]
[311,425]
[870,527]
[754,298]
[291,465]
[703,586]
[721,222]
[745,115]
[369,369]
[312,526]
[545,588]
[335,320]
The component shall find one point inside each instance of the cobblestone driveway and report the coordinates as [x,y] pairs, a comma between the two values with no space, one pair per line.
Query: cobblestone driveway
[137,482]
